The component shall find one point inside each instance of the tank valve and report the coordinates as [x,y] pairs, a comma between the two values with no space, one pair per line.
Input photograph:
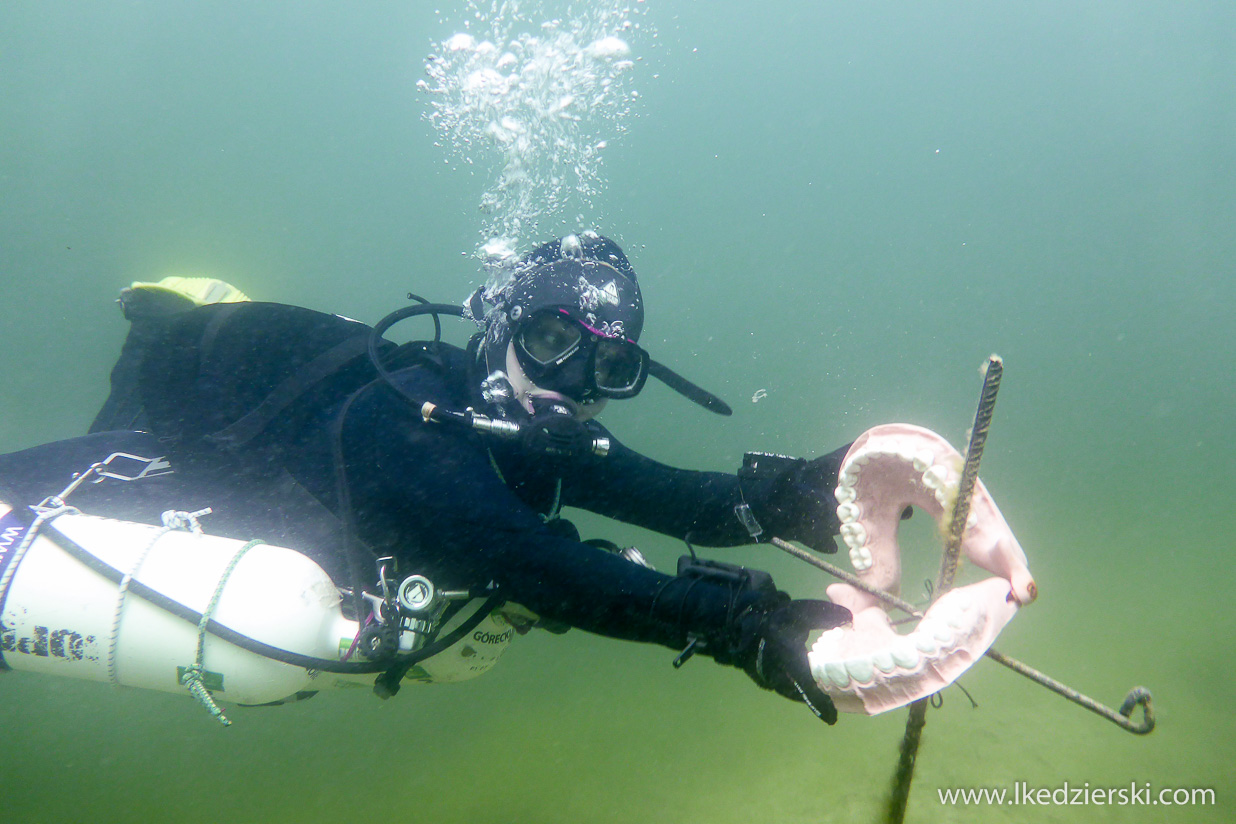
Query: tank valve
[417,594]
[419,609]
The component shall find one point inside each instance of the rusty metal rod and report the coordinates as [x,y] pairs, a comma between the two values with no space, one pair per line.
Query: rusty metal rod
[849,577]
[993,370]
[908,754]
[1138,696]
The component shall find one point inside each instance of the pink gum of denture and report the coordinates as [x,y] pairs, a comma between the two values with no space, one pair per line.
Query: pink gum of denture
[868,667]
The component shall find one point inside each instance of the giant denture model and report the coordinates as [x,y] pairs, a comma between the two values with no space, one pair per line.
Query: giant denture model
[867,667]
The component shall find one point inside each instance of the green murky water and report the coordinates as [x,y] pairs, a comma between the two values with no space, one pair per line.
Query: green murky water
[847,205]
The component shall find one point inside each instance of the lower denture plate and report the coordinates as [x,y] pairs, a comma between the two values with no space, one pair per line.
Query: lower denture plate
[860,669]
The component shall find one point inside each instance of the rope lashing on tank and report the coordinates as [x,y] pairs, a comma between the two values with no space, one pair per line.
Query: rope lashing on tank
[47,510]
[54,506]
[195,675]
[172,520]
[186,521]
[44,514]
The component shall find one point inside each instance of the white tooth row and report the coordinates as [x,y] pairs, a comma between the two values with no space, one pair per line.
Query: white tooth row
[935,477]
[934,638]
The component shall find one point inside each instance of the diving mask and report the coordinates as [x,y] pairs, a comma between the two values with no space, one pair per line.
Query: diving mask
[562,352]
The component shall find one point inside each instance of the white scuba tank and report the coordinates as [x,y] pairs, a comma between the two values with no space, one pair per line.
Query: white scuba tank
[58,616]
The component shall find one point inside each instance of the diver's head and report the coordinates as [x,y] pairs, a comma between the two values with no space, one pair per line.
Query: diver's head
[565,329]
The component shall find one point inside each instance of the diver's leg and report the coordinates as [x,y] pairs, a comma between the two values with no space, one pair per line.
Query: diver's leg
[147,306]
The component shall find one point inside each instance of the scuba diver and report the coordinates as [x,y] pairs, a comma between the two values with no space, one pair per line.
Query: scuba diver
[315,431]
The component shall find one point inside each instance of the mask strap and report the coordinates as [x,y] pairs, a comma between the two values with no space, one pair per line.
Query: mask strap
[474,307]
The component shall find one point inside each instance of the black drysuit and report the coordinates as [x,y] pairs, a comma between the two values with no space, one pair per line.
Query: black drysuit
[463,510]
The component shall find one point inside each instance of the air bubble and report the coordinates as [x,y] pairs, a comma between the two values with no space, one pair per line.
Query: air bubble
[534,98]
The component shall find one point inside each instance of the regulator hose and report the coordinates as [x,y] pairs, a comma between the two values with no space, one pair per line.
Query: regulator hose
[375,337]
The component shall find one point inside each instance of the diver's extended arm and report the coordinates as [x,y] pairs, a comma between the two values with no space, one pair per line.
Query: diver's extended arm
[791,498]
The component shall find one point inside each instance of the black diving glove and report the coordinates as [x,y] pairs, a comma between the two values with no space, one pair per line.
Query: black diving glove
[770,644]
[794,498]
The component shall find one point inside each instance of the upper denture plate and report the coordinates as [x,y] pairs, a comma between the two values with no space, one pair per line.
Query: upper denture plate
[847,512]
[922,459]
[854,535]
[935,477]
[883,660]
[860,558]
[845,494]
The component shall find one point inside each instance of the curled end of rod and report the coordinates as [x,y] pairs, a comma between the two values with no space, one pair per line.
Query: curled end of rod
[1138,696]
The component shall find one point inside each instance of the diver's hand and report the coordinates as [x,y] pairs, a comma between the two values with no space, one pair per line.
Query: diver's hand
[770,645]
[800,504]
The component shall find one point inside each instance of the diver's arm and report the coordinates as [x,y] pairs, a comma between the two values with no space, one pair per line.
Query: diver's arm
[792,500]
[494,537]
[684,503]
[430,494]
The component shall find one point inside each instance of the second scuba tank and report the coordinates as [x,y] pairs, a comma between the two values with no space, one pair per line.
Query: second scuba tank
[62,613]
[61,617]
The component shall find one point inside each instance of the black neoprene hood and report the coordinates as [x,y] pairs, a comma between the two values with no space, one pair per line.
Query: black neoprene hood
[586,274]
[597,293]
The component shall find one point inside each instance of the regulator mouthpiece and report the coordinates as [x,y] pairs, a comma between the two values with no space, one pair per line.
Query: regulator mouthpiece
[556,432]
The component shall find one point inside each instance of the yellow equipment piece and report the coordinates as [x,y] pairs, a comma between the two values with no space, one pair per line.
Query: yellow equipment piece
[199,291]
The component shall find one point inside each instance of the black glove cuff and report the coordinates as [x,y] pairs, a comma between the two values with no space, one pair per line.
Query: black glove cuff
[758,479]
[792,498]
[741,643]
[707,613]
